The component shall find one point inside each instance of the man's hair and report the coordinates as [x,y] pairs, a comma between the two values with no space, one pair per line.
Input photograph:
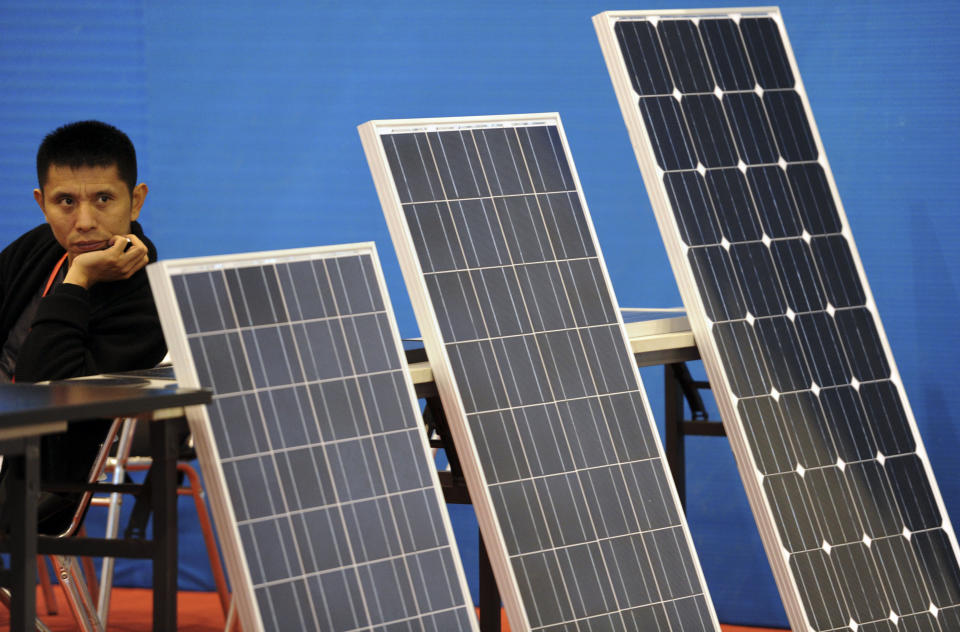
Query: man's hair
[88,144]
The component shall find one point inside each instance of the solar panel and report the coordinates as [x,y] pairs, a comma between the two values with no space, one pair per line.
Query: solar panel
[545,406]
[826,443]
[320,478]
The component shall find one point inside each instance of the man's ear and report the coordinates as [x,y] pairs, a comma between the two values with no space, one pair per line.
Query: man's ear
[38,196]
[139,195]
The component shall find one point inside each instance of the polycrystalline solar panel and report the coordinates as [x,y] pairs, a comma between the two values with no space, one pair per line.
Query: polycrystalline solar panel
[327,503]
[826,443]
[545,406]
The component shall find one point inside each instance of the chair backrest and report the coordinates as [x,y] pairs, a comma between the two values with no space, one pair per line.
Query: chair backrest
[95,472]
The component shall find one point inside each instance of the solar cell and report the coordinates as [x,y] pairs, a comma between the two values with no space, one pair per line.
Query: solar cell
[838,479]
[551,424]
[323,488]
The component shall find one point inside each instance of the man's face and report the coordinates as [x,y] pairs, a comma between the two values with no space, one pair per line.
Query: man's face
[87,206]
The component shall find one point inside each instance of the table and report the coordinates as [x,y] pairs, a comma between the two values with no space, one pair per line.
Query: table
[29,411]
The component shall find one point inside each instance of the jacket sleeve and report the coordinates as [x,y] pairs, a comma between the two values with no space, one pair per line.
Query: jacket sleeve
[69,338]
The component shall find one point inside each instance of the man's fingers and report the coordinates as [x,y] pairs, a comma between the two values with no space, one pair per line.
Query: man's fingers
[139,263]
[125,255]
[129,247]
[134,264]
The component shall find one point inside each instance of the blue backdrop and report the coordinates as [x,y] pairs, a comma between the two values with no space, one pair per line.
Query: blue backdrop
[245,116]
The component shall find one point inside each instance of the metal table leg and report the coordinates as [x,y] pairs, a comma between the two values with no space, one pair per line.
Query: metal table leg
[24,486]
[673,432]
[489,595]
[163,445]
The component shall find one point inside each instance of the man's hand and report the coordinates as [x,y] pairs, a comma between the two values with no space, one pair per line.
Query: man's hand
[113,263]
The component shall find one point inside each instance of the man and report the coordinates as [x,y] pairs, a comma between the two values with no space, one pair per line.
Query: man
[74,297]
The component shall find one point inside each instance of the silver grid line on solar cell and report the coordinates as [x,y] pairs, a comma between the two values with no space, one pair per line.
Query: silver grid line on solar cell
[442,342]
[808,607]
[404,496]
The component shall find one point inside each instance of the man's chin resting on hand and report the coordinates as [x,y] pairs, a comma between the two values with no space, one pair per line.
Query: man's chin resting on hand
[122,256]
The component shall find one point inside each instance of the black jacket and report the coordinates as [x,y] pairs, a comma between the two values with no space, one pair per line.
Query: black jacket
[111,327]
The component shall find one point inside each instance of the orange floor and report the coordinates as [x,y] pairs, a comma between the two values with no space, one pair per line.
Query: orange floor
[130,610]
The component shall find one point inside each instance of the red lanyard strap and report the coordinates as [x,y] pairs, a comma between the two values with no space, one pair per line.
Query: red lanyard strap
[53,275]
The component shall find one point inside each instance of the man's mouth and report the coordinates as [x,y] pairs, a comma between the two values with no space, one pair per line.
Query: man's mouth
[89,246]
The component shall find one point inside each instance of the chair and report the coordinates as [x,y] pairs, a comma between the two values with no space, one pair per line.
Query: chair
[69,569]
[123,463]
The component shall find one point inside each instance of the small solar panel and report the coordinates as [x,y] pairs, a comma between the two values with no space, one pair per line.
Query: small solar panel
[549,418]
[827,445]
[320,478]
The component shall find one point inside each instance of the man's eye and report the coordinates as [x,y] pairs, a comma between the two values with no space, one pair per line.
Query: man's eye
[66,201]
[103,199]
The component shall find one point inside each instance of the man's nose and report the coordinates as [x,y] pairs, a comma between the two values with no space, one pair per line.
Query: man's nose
[86,217]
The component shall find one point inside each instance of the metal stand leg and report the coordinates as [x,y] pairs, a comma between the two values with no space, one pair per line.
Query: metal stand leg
[113,518]
[679,387]
[78,597]
[89,572]
[231,615]
[489,595]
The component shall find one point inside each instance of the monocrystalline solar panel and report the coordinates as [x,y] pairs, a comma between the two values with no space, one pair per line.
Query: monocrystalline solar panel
[321,481]
[827,446]
[549,418]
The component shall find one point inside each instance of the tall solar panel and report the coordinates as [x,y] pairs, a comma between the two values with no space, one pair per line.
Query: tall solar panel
[840,484]
[320,478]
[545,406]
